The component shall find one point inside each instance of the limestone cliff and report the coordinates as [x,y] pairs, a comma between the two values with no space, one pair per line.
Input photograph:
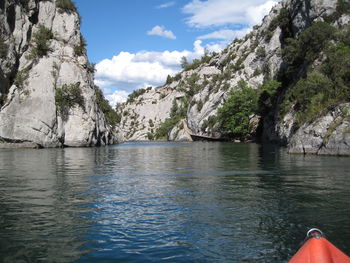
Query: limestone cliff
[189,102]
[47,92]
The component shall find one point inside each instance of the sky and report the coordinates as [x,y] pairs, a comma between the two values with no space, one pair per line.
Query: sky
[138,43]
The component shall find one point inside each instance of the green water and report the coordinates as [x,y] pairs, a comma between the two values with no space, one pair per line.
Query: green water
[168,202]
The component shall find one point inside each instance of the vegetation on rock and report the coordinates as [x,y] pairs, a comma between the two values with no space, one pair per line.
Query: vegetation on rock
[343,7]
[67,6]
[325,85]
[80,49]
[196,62]
[163,131]
[268,97]
[111,115]
[234,116]
[177,113]
[21,77]
[135,94]
[41,42]
[299,53]
[3,47]
[67,97]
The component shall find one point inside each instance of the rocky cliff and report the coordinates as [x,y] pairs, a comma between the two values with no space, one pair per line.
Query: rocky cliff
[47,94]
[290,54]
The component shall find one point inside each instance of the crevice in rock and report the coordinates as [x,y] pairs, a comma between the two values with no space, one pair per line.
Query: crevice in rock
[11,17]
[12,75]
[2,5]
[61,141]
[35,17]
[97,136]
[323,145]
[29,37]
[7,140]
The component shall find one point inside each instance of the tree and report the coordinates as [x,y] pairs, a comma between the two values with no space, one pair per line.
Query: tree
[184,62]
[169,79]
[234,115]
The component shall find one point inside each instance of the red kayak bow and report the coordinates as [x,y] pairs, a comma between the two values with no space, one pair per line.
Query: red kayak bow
[317,249]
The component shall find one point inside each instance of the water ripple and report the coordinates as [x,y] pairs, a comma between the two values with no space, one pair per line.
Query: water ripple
[168,202]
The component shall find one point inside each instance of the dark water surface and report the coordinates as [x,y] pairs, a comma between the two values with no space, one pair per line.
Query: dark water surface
[168,202]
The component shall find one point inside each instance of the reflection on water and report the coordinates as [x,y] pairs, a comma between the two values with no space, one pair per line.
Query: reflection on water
[168,202]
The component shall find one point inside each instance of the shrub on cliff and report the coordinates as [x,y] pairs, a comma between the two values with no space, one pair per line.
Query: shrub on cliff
[3,47]
[337,68]
[307,47]
[163,131]
[326,85]
[135,94]
[41,42]
[66,6]
[112,117]
[343,7]
[310,97]
[267,97]
[68,97]
[80,49]
[21,77]
[282,20]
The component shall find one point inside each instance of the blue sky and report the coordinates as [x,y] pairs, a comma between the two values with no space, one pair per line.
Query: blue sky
[137,43]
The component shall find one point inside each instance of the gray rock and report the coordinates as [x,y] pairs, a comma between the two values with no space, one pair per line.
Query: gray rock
[30,113]
[329,134]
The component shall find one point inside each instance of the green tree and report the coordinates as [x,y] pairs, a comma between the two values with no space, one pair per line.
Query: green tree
[311,97]
[163,131]
[169,79]
[184,62]
[307,47]
[337,68]
[234,115]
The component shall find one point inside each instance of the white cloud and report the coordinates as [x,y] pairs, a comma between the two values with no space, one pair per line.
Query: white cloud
[256,13]
[226,34]
[161,31]
[225,37]
[103,83]
[166,5]
[118,96]
[223,12]
[166,58]
[127,67]
[126,71]
[142,67]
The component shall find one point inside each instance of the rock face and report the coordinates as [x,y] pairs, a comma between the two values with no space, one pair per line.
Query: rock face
[329,134]
[33,70]
[194,95]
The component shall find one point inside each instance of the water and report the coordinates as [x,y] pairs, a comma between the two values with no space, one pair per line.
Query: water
[168,202]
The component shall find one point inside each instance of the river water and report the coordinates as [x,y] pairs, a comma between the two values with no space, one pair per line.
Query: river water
[168,202]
